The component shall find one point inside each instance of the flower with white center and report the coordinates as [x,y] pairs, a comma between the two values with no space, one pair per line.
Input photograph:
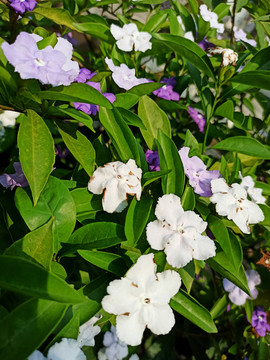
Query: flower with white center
[87,332]
[66,349]
[254,193]
[141,299]
[238,296]
[212,18]
[115,180]
[8,117]
[179,233]
[129,37]
[228,56]
[232,201]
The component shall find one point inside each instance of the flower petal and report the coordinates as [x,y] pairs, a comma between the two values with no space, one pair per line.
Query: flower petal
[165,287]
[114,198]
[169,208]
[117,32]
[228,285]
[163,321]
[178,251]
[101,176]
[204,248]
[192,222]
[157,234]
[130,328]
[143,272]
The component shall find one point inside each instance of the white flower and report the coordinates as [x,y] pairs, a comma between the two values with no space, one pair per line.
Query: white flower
[87,332]
[211,17]
[129,37]
[228,56]
[116,180]
[36,355]
[67,349]
[8,117]
[114,348]
[141,299]
[151,65]
[189,35]
[231,201]
[254,193]
[178,232]
[239,35]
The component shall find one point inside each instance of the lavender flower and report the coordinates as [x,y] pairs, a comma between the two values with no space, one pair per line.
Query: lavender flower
[61,153]
[49,65]
[199,178]
[84,75]
[16,179]
[238,296]
[198,118]
[259,321]
[240,35]
[20,6]
[153,160]
[166,91]
[204,44]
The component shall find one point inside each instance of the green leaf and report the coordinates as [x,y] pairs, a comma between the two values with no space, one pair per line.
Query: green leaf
[219,307]
[149,177]
[144,89]
[187,274]
[120,134]
[77,115]
[155,21]
[98,235]
[99,31]
[55,202]
[105,260]
[225,110]
[48,41]
[191,309]
[249,309]
[35,246]
[188,199]
[259,79]
[25,277]
[153,119]
[86,203]
[59,16]
[244,145]
[136,219]
[36,147]
[126,100]
[188,50]
[169,158]
[266,212]
[77,92]
[24,329]
[79,146]
[131,118]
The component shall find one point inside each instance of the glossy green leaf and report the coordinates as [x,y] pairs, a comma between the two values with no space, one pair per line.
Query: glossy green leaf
[244,145]
[126,100]
[48,41]
[149,177]
[188,199]
[35,246]
[266,212]
[219,307]
[259,79]
[153,119]
[27,327]
[80,116]
[79,146]
[86,203]
[191,309]
[169,158]
[99,31]
[187,274]
[36,147]
[225,110]
[155,21]
[55,202]
[144,89]
[131,118]
[59,16]
[25,277]
[105,260]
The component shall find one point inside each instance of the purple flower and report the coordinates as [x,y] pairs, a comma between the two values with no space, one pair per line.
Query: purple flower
[90,108]
[84,75]
[166,91]
[259,321]
[20,6]
[49,65]
[204,44]
[198,118]
[238,296]
[61,153]
[16,179]
[195,169]
[153,160]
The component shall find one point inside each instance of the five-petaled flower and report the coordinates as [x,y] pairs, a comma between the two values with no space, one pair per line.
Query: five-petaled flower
[130,37]
[116,180]
[141,299]
[20,6]
[259,321]
[179,233]
[232,201]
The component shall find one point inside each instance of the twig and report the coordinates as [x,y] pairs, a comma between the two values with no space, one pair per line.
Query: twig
[233,21]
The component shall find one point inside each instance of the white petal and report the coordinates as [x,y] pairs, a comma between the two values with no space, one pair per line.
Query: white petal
[143,272]
[125,44]
[178,251]
[192,222]
[87,333]
[36,355]
[253,277]
[225,204]
[117,32]
[67,349]
[110,64]
[130,328]
[165,287]
[130,29]
[122,298]
[131,165]
[65,47]
[8,117]
[169,208]
[255,213]
[101,176]
[204,248]
[114,198]
[157,234]
[238,297]
[240,218]
[163,321]
[256,195]
[219,185]
[228,285]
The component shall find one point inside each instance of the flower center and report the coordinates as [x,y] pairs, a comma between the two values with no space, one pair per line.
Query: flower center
[180,229]
[260,318]
[39,62]
[164,87]
[147,300]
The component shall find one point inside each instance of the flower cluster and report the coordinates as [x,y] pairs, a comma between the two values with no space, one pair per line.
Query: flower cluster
[20,6]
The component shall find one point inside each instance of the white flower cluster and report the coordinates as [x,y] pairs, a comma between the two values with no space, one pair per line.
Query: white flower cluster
[212,18]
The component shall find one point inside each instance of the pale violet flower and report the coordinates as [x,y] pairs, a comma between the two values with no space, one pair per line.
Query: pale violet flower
[87,332]
[130,37]
[229,57]
[232,201]
[49,65]
[114,348]
[123,76]
[241,35]
[66,349]
[116,180]
[212,18]
[238,296]
[179,233]
[36,355]
[254,193]
[8,117]
[141,299]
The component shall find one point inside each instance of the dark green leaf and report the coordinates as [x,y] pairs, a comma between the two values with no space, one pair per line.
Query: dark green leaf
[151,176]
[187,274]
[259,79]
[131,118]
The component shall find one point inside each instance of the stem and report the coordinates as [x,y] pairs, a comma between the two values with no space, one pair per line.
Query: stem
[233,21]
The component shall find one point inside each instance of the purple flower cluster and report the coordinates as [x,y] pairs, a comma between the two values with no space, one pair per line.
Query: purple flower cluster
[16,179]
[49,65]
[166,91]
[20,6]
[89,109]
[259,321]
[197,117]
[153,160]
